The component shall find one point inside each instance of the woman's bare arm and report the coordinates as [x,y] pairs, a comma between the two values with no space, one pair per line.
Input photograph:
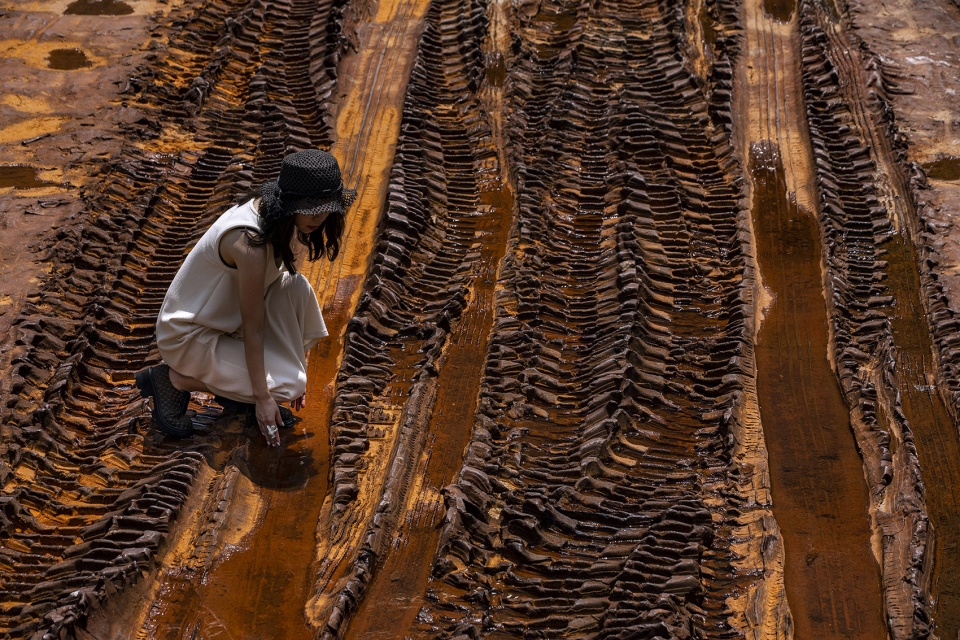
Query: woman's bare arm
[251,263]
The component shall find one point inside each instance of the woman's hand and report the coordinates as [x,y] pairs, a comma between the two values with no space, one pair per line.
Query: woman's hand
[268,417]
[300,402]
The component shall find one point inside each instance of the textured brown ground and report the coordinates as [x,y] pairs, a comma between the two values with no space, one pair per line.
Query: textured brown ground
[58,126]
[645,327]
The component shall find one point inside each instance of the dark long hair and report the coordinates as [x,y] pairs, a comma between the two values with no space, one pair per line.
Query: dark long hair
[279,232]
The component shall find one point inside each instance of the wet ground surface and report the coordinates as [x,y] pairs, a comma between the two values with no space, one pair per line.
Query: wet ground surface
[645,326]
[815,496]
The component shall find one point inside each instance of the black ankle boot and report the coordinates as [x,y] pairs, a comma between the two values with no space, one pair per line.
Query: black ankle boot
[169,403]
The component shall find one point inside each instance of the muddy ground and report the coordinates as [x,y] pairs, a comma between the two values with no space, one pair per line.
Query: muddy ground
[646,325]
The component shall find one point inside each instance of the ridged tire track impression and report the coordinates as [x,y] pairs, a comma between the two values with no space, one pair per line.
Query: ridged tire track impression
[90,490]
[417,290]
[598,497]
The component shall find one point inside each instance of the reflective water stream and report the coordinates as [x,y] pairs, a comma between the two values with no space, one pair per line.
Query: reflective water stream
[819,494]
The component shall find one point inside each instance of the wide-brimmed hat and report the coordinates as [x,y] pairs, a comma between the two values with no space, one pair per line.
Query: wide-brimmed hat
[311,177]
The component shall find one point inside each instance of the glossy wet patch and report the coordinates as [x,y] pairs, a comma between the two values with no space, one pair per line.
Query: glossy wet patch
[497,72]
[819,495]
[781,10]
[560,21]
[98,8]
[68,59]
[20,176]
[943,168]
[707,26]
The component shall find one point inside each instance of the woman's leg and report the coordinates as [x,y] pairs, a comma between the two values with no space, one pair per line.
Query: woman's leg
[218,366]
[186,383]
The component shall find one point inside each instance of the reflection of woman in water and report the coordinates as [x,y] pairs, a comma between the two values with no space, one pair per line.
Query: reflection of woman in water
[238,319]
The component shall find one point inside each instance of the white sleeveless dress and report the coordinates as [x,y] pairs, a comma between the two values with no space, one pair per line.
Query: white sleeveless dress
[200,332]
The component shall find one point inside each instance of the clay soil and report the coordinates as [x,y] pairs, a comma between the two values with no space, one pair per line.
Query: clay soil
[645,326]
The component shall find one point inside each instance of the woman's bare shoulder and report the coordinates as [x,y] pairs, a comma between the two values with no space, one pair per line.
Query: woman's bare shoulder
[236,250]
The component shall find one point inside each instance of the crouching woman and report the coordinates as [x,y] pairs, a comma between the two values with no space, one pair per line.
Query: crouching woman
[238,319]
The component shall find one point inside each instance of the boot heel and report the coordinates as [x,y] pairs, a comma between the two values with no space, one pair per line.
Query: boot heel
[144,384]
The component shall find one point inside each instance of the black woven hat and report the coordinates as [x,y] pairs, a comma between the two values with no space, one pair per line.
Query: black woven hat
[308,179]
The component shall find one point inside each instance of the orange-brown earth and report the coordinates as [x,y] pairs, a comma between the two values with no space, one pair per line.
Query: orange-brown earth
[61,120]
[645,327]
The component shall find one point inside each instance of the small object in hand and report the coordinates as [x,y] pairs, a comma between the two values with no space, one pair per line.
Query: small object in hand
[271,430]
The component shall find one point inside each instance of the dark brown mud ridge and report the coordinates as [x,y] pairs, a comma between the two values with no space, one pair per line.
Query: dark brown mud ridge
[406,391]
[545,392]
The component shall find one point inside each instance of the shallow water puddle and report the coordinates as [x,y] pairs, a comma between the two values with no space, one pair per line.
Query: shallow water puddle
[68,59]
[781,10]
[98,8]
[943,168]
[707,26]
[21,176]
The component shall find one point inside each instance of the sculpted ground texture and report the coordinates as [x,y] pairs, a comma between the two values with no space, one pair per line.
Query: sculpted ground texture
[646,325]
